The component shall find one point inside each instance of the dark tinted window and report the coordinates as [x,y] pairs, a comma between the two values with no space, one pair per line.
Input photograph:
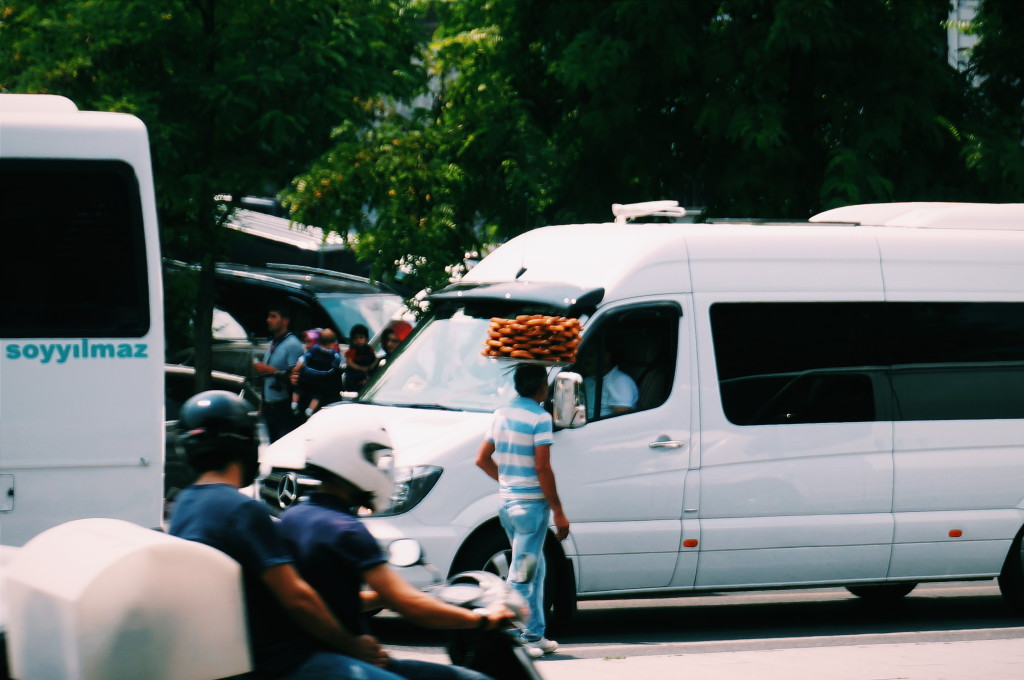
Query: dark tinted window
[847,362]
[957,360]
[791,362]
[249,300]
[74,258]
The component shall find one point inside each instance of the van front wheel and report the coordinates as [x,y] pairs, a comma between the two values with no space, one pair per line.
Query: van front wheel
[491,551]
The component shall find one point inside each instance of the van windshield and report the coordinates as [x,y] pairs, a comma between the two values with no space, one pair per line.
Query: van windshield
[446,369]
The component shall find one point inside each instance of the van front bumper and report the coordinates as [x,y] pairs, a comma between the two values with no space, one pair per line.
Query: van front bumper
[439,544]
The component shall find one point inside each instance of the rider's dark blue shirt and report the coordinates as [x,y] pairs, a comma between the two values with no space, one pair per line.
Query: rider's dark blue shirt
[332,549]
[219,516]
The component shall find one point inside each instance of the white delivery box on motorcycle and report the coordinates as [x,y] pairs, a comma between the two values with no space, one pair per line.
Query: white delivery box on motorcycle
[99,599]
[832,402]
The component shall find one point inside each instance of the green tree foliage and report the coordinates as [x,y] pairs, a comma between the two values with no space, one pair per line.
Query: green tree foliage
[996,137]
[776,108]
[546,112]
[238,95]
[531,112]
[397,186]
[425,185]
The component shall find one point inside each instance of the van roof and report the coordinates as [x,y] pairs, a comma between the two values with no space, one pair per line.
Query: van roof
[930,215]
[825,258]
[51,126]
[35,104]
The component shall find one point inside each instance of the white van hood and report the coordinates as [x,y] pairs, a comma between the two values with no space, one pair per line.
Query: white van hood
[420,436]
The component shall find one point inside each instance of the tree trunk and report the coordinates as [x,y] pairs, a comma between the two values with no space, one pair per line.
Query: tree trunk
[203,321]
[210,224]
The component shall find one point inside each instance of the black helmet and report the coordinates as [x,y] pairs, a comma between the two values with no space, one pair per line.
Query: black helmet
[215,429]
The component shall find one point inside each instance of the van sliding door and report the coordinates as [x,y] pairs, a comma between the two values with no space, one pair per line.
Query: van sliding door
[796,455]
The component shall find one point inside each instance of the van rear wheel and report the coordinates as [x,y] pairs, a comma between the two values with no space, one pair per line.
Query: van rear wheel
[890,592]
[1011,578]
[491,551]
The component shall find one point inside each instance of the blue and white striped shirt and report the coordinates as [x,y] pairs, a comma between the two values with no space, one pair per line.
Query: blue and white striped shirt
[515,430]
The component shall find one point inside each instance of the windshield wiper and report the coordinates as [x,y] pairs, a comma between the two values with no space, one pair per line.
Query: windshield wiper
[433,407]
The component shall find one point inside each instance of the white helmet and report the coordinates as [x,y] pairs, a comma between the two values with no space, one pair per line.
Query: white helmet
[362,457]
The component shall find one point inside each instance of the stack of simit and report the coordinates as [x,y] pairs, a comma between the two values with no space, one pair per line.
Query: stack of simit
[533,336]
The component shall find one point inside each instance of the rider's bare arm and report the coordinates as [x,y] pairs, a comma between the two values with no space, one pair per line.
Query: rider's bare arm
[397,594]
[307,608]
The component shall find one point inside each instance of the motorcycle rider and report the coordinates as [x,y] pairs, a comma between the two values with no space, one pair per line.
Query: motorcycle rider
[292,633]
[337,554]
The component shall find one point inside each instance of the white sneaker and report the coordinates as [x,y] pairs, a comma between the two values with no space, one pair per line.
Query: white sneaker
[538,648]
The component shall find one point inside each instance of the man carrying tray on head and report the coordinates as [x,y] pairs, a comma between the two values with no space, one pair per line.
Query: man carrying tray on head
[520,437]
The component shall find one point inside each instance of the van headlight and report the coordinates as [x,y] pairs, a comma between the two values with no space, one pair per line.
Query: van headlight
[412,484]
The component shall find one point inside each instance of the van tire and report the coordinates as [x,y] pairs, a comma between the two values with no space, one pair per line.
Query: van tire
[1011,578]
[490,550]
[889,592]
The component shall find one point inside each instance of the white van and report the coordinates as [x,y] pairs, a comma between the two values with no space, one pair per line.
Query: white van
[834,402]
[81,326]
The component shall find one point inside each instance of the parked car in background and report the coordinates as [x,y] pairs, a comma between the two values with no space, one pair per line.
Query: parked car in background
[179,385]
[234,348]
[317,298]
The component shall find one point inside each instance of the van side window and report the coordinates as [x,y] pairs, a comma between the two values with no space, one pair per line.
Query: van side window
[75,264]
[629,355]
[822,362]
[958,360]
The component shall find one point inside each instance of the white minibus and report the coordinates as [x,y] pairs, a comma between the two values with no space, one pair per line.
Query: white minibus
[836,402]
[81,322]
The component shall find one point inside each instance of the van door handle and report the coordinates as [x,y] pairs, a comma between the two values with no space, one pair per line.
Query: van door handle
[667,444]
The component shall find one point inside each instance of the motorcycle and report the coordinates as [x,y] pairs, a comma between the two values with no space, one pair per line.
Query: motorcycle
[104,598]
[499,653]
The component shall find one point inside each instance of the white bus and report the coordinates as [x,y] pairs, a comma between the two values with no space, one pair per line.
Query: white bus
[81,319]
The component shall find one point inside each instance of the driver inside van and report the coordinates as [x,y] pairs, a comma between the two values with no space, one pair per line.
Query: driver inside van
[618,394]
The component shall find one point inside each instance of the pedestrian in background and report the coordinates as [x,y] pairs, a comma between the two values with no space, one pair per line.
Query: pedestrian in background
[318,369]
[360,359]
[278,361]
[391,338]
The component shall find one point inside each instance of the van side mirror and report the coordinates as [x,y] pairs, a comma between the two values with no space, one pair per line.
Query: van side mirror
[567,402]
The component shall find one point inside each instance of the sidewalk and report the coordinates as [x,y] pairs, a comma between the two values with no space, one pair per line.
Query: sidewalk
[969,660]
